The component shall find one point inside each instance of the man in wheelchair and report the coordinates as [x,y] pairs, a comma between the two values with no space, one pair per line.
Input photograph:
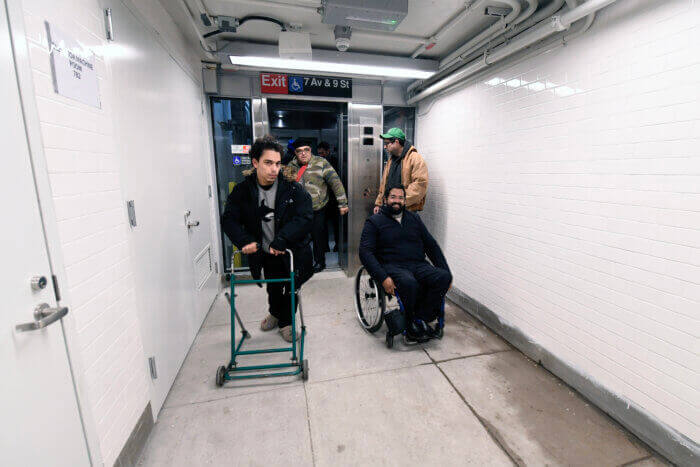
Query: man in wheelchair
[393,248]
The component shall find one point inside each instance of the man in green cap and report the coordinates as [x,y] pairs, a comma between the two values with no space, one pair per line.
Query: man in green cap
[404,168]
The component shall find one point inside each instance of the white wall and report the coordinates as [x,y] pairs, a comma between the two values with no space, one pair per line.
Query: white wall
[566,193]
[94,255]
[160,122]
[79,147]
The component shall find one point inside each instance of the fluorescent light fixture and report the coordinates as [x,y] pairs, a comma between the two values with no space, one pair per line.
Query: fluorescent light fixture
[329,67]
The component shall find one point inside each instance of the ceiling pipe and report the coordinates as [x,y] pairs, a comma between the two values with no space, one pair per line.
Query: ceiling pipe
[586,26]
[493,30]
[526,39]
[465,11]
[208,49]
[391,35]
[204,14]
[591,6]
[545,47]
[538,16]
[308,7]
[512,31]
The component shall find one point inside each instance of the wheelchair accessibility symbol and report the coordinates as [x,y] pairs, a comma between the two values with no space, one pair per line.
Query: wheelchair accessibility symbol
[296,84]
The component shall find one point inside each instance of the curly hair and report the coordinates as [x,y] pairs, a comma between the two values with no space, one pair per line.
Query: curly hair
[267,142]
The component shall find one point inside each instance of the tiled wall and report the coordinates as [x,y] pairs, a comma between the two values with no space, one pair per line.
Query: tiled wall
[566,192]
[84,172]
[85,183]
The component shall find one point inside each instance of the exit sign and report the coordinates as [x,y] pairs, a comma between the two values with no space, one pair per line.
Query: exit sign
[273,83]
[305,85]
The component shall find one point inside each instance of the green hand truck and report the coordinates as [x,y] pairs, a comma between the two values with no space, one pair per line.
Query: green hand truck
[298,365]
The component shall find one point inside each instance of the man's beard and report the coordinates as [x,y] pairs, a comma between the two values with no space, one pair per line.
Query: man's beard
[397,208]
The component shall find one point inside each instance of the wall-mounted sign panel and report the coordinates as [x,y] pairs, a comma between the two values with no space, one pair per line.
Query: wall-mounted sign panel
[240,148]
[305,85]
[73,68]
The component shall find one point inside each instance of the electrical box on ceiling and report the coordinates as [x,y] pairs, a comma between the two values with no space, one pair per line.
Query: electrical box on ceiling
[296,45]
[384,15]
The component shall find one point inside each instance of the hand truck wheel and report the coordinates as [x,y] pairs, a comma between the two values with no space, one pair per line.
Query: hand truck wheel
[389,340]
[220,376]
[305,370]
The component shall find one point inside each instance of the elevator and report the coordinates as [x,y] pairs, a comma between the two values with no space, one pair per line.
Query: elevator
[352,131]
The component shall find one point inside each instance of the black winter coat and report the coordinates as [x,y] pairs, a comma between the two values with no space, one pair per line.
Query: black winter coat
[293,218]
[385,241]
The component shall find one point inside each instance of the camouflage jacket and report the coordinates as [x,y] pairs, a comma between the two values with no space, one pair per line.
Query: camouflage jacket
[317,177]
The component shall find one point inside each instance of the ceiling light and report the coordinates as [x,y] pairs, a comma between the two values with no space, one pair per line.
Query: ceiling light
[329,67]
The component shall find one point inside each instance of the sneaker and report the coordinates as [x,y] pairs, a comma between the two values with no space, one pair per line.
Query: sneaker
[435,332]
[416,333]
[269,323]
[286,333]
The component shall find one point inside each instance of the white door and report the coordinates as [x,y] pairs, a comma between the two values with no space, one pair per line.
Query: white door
[198,199]
[39,419]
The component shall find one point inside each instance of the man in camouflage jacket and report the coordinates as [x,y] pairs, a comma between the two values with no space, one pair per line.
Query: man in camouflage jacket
[317,175]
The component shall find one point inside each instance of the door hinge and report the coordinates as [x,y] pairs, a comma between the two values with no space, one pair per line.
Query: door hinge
[152,367]
[109,32]
[209,188]
[216,267]
[55,288]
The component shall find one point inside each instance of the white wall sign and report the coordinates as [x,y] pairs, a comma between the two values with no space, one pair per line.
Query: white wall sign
[240,148]
[73,67]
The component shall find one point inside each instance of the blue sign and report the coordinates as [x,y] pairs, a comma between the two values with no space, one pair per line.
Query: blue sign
[296,84]
[236,160]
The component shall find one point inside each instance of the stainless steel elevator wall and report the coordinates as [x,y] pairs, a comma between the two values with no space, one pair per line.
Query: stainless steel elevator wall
[364,167]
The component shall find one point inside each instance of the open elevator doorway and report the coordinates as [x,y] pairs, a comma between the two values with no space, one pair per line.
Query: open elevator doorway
[318,121]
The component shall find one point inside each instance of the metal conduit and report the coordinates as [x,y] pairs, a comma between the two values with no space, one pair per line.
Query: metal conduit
[445,28]
[492,30]
[524,40]
[546,46]
[545,12]
[483,38]
[208,49]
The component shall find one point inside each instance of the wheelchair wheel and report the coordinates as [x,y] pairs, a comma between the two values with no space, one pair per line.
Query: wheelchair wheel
[369,301]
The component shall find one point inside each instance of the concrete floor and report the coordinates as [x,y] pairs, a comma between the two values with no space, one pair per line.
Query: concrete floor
[469,399]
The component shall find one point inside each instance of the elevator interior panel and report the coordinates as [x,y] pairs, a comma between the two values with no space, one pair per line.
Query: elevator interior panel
[364,167]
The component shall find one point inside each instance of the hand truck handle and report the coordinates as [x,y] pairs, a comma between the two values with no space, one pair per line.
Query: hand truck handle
[291,260]
[291,257]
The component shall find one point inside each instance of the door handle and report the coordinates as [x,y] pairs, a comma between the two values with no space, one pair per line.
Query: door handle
[188,223]
[44,315]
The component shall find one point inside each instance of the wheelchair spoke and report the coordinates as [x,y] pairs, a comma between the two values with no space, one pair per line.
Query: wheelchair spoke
[368,302]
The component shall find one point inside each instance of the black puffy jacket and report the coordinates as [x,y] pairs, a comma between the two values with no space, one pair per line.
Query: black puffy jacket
[293,217]
[385,241]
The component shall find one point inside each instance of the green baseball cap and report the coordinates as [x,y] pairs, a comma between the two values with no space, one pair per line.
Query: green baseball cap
[394,133]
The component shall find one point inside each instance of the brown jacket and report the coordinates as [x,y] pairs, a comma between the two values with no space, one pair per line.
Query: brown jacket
[414,178]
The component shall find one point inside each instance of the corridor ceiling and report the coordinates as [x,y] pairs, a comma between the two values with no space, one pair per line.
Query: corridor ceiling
[424,19]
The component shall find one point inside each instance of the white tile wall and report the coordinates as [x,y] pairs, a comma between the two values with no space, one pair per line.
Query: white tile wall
[85,183]
[566,193]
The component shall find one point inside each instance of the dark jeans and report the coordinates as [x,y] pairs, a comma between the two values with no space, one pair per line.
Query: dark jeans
[319,235]
[279,295]
[420,286]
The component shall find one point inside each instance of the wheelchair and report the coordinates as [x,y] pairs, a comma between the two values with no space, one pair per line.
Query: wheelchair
[374,307]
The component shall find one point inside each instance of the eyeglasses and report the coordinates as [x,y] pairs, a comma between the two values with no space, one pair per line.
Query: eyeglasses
[300,150]
[388,142]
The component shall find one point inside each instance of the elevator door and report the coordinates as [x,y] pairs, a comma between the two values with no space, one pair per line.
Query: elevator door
[317,121]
